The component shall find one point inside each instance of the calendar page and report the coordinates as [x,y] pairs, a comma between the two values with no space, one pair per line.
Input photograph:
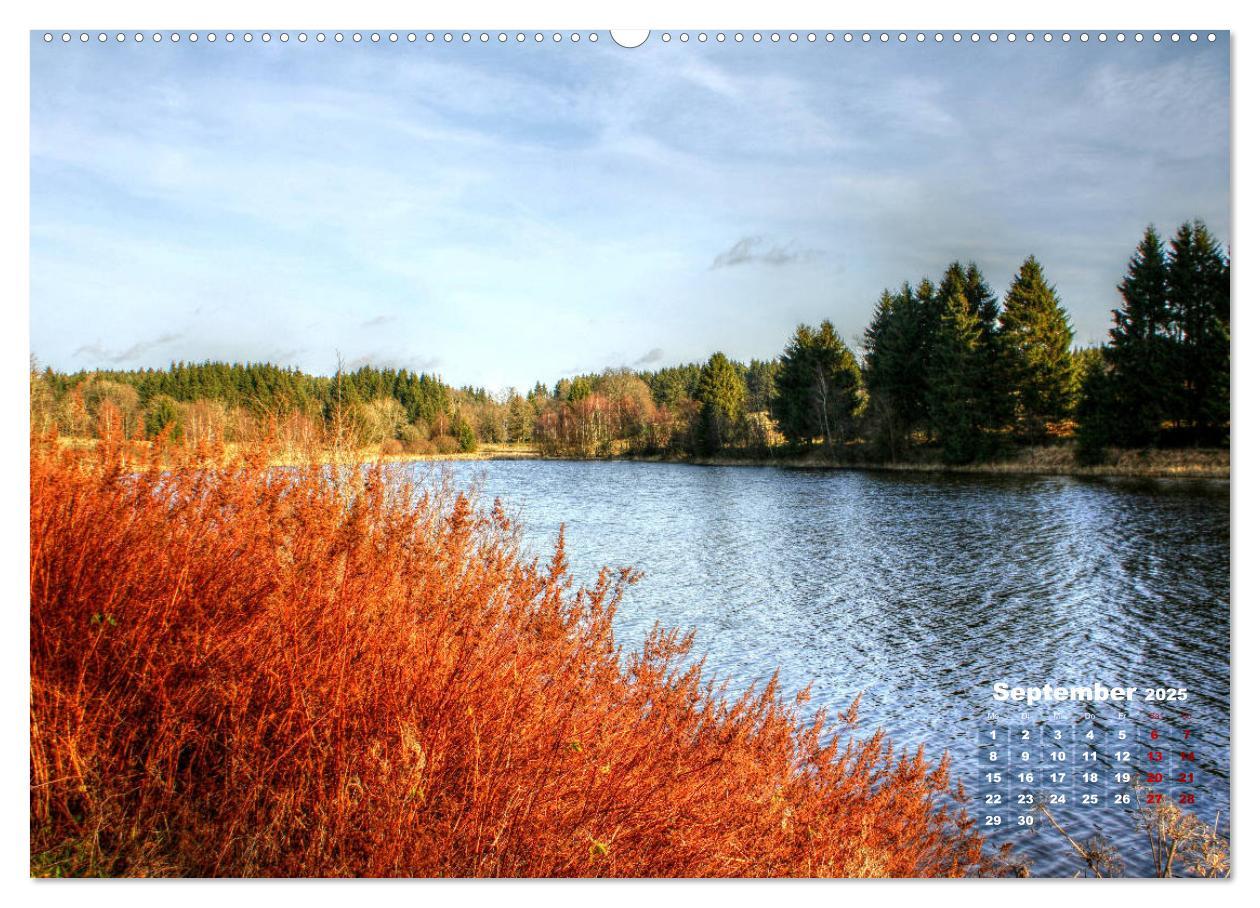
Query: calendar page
[1080,764]
[559,451]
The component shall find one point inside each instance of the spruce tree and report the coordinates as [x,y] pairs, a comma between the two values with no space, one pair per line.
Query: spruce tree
[895,371]
[721,395]
[1035,338]
[162,415]
[881,425]
[955,397]
[817,387]
[1198,293]
[983,305]
[1142,374]
[929,306]
[1096,411]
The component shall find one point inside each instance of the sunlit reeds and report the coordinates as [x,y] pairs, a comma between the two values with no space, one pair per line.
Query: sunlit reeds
[243,670]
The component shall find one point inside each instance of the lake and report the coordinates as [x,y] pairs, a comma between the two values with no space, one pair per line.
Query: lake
[918,590]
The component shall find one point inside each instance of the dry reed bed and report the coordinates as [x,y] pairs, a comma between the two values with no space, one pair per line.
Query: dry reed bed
[238,670]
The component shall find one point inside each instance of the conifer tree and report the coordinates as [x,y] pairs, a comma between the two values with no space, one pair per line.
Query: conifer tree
[817,387]
[1141,375]
[465,435]
[895,371]
[164,414]
[956,403]
[929,305]
[1096,415]
[991,396]
[1198,293]
[759,380]
[1035,338]
[721,394]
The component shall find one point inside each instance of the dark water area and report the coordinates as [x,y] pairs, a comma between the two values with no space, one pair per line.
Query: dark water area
[919,591]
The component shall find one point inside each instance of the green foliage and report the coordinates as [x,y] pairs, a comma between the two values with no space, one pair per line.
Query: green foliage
[1141,376]
[942,363]
[163,414]
[722,393]
[1198,290]
[520,419]
[1165,373]
[1036,340]
[465,435]
[894,346]
[1096,414]
[817,387]
[992,399]
[956,404]
[674,384]
[759,383]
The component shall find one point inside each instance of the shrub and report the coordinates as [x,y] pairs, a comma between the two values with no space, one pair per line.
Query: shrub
[419,446]
[391,447]
[413,437]
[445,444]
[465,435]
[241,671]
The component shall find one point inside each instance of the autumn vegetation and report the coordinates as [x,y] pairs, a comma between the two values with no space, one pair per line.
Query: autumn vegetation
[243,670]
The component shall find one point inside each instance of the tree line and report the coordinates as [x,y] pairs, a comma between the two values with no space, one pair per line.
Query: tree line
[944,366]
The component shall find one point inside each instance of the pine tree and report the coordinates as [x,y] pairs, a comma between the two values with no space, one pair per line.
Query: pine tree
[1140,357]
[1198,293]
[955,399]
[1035,338]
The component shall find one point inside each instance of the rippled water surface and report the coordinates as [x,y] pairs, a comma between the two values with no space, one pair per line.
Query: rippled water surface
[919,590]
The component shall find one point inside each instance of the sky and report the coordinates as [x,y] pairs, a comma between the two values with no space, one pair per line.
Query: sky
[503,214]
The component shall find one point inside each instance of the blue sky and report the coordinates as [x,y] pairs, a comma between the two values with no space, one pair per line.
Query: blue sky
[505,213]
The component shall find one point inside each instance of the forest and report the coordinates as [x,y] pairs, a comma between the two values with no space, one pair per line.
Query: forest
[944,366]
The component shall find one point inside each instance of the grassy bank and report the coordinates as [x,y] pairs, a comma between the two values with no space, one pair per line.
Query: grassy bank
[243,671]
[1057,460]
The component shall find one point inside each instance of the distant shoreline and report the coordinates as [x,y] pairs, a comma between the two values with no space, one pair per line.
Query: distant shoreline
[1050,460]
[1041,461]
